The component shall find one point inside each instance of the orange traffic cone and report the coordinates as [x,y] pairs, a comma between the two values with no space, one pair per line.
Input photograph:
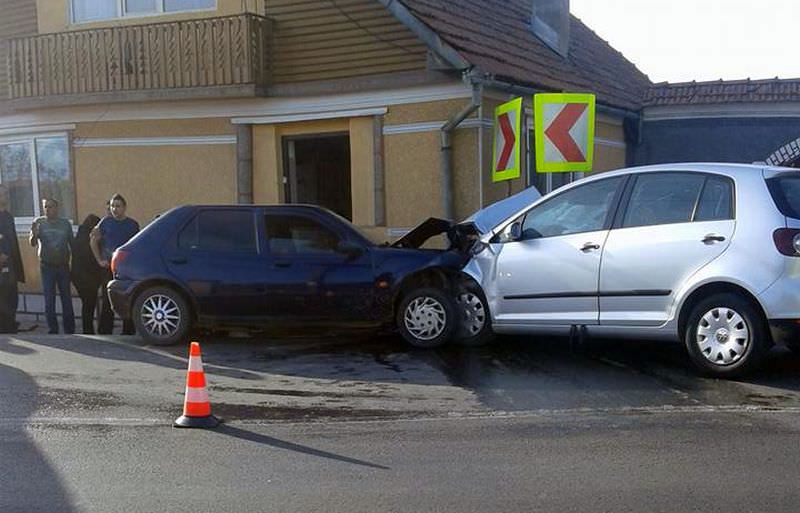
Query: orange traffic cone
[196,406]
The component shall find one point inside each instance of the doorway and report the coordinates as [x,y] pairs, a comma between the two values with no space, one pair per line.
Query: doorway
[317,171]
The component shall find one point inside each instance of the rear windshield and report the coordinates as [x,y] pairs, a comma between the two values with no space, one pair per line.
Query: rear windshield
[785,192]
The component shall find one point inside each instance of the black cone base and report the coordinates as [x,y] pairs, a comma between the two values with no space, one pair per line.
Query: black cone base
[197,422]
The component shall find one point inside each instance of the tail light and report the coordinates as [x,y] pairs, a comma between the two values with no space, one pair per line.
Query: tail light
[116,259]
[787,240]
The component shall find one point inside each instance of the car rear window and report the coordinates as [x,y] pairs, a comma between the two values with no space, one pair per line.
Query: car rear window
[785,192]
[220,230]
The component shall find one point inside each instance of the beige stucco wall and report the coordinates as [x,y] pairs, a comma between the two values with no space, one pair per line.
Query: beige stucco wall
[54,15]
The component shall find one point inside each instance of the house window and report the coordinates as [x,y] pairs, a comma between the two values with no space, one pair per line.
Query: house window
[37,168]
[95,10]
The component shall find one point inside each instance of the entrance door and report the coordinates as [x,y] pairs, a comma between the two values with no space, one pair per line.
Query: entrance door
[317,172]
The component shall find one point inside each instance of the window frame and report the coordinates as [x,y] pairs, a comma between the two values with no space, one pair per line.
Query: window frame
[626,198]
[122,14]
[24,222]
[342,237]
[194,218]
[615,202]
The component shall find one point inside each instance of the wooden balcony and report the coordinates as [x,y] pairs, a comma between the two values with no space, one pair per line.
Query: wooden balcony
[226,56]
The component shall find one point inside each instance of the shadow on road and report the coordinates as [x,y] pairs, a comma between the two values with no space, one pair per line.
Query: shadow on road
[27,481]
[289,446]
[130,349]
[7,346]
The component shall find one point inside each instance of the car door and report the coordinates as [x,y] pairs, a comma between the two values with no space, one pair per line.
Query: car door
[319,280]
[549,275]
[671,225]
[216,256]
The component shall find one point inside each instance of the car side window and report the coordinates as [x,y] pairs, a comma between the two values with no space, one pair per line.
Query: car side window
[220,230]
[716,202]
[292,234]
[663,198]
[585,208]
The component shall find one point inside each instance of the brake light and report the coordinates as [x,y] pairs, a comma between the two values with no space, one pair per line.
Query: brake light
[787,241]
[116,259]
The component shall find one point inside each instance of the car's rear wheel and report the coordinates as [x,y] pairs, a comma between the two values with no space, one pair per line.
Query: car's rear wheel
[726,336]
[475,328]
[161,316]
[427,318]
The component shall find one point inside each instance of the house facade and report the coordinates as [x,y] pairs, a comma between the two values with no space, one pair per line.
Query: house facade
[380,110]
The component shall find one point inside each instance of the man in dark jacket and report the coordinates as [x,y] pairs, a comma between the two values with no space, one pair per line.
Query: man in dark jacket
[87,275]
[11,270]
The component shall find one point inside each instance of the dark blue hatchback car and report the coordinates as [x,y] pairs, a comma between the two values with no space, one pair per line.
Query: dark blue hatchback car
[292,266]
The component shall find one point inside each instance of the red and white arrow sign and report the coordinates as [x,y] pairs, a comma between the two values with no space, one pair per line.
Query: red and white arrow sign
[509,139]
[559,132]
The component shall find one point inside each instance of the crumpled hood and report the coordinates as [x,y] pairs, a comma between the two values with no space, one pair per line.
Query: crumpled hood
[489,217]
[480,222]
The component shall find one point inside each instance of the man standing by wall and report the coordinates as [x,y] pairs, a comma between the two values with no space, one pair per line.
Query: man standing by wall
[53,235]
[11,270]
[111,233]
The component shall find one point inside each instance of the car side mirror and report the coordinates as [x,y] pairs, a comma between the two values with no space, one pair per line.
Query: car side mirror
[515,231]
[349,248]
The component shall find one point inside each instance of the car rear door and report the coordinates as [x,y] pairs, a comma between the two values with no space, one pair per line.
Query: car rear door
[313,280]
[671,225]
[216,255]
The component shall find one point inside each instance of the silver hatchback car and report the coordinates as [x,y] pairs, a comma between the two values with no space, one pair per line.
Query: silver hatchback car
[704,253]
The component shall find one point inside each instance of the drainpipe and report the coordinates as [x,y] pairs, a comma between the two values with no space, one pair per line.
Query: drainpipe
[447,150]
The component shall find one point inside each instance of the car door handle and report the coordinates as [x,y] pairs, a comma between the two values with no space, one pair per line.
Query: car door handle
[179,260]
[713,237]
[590,246]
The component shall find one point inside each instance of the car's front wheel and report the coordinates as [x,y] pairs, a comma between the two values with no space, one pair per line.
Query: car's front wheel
[475,328]
[161,316]
[427,318]
[726,336]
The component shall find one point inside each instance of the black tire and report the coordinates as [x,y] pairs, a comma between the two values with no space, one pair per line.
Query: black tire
[438,315]
[475,326]
[749,354]
[174,304]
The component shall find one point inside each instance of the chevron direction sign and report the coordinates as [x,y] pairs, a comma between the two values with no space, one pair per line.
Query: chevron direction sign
[507,141]
[563,132]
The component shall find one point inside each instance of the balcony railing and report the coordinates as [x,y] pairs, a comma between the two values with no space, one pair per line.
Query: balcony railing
[202,53]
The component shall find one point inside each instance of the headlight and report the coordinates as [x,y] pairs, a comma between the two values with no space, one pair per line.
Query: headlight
[477,247]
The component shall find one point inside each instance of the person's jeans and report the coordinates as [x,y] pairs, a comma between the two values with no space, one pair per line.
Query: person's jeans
[105,323]
[52,278]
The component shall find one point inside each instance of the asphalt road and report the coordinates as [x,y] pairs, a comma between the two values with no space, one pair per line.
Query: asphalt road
[370,425]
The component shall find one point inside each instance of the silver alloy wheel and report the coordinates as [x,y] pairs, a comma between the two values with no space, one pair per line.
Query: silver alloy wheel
[723,336]
[425,318]
[161,316]
[474,313]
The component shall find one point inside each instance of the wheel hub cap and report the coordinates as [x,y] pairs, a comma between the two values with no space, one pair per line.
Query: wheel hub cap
[425,318]
[474,313]
[723,336]
[161,316]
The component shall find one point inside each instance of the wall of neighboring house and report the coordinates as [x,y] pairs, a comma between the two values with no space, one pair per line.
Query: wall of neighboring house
[727,139]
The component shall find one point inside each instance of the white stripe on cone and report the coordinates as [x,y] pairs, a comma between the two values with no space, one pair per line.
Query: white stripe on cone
[196,395]
[195,364]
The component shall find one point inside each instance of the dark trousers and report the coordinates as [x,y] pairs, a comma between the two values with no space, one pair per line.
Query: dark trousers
[88,294]
[52,278]
[9,297]
[106,323]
